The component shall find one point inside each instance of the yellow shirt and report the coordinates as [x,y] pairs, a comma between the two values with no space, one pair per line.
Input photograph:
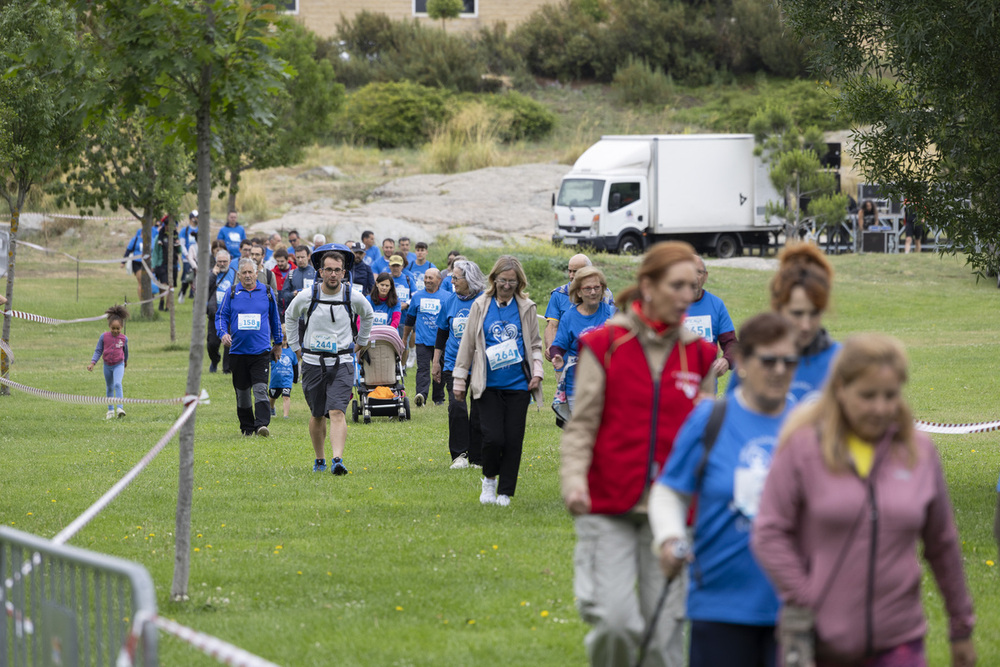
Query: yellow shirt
[863,454]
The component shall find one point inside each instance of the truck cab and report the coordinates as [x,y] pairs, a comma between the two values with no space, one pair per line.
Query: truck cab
[604,201]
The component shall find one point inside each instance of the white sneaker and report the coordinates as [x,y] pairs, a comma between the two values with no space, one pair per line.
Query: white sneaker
[489,494]
[180,298]
[419,400]
[411,357]
[263,432]
[110,415]
[503,500]
[120,412]
[459,463]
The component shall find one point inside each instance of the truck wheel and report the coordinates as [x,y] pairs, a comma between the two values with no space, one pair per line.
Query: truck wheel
[727,246]
[630,245]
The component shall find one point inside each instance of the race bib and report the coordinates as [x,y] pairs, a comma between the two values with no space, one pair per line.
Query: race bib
[458,326]
[248,321]
[220,294]
[701,325]
[403,293]
[503,354]
[430,306]
[748,485]
[381,318]
[360,289]
[235,237]
[307,283]
[323,343]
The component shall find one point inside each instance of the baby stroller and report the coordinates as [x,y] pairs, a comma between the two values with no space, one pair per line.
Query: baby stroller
[380,378]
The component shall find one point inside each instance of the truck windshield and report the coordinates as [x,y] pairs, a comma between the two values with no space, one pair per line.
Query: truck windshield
[581,192]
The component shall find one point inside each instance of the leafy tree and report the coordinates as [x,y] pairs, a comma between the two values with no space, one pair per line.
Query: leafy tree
[795,167]
[919,79]
[444,10]
[40,122]
[128,164]
[192,64]
[303,110]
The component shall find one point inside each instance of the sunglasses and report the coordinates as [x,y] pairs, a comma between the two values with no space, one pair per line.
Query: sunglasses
[770,361]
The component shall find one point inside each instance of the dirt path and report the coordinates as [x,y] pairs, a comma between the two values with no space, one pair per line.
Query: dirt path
[483,207]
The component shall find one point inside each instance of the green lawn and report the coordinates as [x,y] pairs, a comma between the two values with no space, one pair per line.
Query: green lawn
[398,563]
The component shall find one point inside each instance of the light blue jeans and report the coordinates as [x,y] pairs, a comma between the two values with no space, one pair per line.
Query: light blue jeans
[113,378]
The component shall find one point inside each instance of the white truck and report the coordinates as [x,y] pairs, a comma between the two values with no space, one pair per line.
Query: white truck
[627,192]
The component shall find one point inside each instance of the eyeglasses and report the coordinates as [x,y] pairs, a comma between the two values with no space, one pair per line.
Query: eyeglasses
[770,361]
[329,270]
[506,283]
[592,290]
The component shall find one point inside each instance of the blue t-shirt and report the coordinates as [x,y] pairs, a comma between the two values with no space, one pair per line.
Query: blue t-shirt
[379,265]
[446,284]
[283,370]
[559,302]
[726,583]
[189,241]
[222,284]
[810,375]
[418,272]
[372,254]
[383,313]
[572,325]
[232,236]
[251,318]
[504,347]
[708,318]
[454,315]
[423,314]
[404,287]
[998,485]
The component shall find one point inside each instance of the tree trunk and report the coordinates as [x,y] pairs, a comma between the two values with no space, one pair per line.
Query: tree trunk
[146,293]
[234,187]
[171,275]
[15,219]
[185,483]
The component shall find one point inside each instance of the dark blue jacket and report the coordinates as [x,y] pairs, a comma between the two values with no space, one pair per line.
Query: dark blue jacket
[251,318]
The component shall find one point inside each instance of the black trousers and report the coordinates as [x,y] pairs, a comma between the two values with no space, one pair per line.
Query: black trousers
[502,416]
[213,347]
[425,357]
[464,434]
[250,382]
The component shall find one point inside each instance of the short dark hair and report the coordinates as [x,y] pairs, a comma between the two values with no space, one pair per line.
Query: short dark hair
[294,231]
[367,234]
[762,329]
[280,252]
[333,254]
[404,238]
[390,239]
[246,242]
[421,245]
[302,248]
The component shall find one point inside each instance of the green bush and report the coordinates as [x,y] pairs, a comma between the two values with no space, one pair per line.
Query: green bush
[527,119]
[394,114]
[565,42]
[638,83]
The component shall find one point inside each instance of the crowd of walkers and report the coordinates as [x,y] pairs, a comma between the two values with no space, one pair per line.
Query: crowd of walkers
[781,519]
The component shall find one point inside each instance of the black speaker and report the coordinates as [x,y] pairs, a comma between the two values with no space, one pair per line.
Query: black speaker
[875,242]
[831,159]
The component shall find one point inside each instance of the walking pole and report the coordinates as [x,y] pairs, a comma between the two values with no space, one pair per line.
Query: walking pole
[681,550]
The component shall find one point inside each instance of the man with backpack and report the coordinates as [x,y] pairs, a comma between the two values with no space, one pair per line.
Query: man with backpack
[331,310]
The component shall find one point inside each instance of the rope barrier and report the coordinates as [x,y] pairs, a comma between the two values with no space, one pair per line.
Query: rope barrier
[956,429]
[6,350]
[113,260]
[41,319]
[92,400]
[72,217]
[221,650]
[73,528]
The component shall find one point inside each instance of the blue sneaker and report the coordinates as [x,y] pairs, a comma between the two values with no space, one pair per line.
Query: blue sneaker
[319,465]
[337,467]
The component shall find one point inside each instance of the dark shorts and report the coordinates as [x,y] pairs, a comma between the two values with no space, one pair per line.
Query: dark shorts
[278,392]
[915,230]
[330,390]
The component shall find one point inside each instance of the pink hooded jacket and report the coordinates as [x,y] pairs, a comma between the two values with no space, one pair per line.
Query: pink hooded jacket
[852,542]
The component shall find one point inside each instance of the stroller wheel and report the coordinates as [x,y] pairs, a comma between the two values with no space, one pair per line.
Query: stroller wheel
[355,412]
[406,407]
[368,420]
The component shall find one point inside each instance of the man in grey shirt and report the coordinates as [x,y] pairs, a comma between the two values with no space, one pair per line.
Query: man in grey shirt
[326,355]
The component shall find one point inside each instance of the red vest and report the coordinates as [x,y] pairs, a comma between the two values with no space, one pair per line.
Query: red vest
[640,419]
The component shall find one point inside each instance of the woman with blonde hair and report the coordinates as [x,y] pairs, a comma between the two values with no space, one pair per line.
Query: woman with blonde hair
[500,362]
[586,293]
[852,489]
[637,378]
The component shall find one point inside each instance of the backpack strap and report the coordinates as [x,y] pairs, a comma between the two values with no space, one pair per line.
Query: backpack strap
[345,300]
[709,436]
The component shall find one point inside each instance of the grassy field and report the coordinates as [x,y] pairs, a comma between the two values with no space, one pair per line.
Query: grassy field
[398,563]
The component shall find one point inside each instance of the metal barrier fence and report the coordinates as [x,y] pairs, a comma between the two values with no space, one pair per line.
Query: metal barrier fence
[65,606]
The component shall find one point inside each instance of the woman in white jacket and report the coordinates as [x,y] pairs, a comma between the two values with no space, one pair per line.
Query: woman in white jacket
[500,362]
